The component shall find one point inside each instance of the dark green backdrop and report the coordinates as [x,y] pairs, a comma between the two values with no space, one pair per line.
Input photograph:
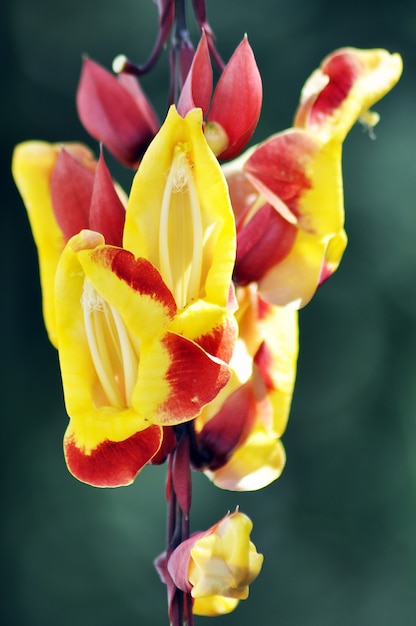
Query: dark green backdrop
[338,530]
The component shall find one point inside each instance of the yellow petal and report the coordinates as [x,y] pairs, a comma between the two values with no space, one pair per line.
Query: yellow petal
[179,214]
[32,166]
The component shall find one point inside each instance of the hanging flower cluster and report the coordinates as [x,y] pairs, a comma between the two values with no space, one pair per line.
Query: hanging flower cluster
[174,309]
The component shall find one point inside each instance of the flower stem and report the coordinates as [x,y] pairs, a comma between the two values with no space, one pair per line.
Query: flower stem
[178,492]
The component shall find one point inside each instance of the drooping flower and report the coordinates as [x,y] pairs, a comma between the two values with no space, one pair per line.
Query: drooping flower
[218,565]
[287,192]
[125,374]
[232,115]
[238,434]
[133,361]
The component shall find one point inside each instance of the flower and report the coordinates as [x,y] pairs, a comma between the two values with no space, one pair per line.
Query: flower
[344,88]
[115,111]
[125,374]
[218,565]
[233,113]
[139,351]
[238,434]
[287,192]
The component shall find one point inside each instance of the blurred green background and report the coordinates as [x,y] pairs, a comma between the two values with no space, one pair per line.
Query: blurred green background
[338,529]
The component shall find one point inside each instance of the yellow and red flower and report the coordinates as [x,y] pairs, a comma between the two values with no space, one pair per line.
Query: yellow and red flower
[287,192]
[238,434]
[142,346]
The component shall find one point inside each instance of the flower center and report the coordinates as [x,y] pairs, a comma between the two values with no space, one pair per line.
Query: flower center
[181,233]
[114,350]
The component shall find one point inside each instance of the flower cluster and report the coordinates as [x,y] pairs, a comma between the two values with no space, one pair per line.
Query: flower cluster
[174,309]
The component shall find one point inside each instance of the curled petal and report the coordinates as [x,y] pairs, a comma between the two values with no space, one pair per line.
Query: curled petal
[344,88]
[237,99]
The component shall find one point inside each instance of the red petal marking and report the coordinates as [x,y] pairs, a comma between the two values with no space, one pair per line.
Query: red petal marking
[139,274]
[237,99]
[219,341]
[229,427]
[71,191]
[342,70]
[110,114]
[326,272]
[277,167]
[194,379]
[113,464]
[263,308]
[264,361]
[197,89]
[107,213]
[262,243]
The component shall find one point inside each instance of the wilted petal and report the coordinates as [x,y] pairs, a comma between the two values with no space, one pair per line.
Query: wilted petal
[344,88]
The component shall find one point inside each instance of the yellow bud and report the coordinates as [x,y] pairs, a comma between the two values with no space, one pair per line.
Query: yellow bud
[222,565]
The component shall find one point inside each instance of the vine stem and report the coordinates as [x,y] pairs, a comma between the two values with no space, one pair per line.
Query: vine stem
[178,493]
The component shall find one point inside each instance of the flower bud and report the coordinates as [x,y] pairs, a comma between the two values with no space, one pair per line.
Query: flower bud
[217,566]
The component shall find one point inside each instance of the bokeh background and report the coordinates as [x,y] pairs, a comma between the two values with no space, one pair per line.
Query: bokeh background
[338,529]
